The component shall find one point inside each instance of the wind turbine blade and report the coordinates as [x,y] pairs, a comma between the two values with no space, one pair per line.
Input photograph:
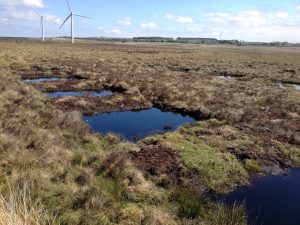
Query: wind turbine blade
[65,20]
[36,12]
[81,16]
[69,5]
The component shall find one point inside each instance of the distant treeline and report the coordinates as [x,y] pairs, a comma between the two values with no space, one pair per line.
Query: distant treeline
[191,41]
[212,41]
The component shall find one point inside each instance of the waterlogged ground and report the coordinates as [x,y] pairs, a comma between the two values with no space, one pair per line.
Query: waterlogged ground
[247,126]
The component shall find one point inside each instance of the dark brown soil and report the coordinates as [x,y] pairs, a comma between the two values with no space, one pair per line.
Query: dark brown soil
[96,105]
[158,160]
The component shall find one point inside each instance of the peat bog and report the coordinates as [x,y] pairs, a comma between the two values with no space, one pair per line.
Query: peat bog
[242,129]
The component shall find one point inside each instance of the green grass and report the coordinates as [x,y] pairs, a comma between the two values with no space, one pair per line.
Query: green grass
[189,205]
[253,166]
[220,171]
[229,215]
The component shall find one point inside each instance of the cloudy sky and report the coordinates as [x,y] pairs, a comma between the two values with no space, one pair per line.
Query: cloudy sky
[249,20]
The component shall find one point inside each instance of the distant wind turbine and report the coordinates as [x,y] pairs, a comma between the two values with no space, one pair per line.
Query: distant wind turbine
[72,21]
[41,23]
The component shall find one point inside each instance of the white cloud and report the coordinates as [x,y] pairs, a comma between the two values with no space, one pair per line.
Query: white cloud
[253,25]
[194,29]
[169,16]
[115,31]
[149,25]
[27,3]
[126,21]
[22,10]
[179,19]
[282,15]
[184,19]
[250,18]
[112,31]
[53,19]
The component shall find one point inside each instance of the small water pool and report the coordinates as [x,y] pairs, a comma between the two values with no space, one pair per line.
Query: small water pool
[287,85]
[227,77]
[136,125]
[60,94]
[272,200]
[39,80]
[297,87]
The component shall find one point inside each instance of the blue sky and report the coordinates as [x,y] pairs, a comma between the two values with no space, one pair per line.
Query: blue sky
[250,20]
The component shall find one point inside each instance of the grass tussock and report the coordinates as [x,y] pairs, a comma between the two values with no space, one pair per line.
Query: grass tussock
[18,208]
[230,215]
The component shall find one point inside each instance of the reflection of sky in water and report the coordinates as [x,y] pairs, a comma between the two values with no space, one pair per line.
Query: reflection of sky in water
[137,125]
[42,80]
[285,85]
[227,77]
[59,94]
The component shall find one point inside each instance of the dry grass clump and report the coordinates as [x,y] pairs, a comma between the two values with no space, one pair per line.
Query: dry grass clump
[19,209]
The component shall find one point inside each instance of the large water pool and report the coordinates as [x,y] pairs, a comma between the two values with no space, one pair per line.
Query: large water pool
[136,125]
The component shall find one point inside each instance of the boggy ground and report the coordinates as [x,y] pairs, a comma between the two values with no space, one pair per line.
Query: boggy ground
[251,127]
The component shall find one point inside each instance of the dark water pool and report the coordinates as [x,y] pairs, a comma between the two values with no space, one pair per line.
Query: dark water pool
[60,94]
[39,80]
[136,125]
[272,200]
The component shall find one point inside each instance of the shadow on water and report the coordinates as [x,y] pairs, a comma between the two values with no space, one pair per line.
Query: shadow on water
[135,125]
[60,94]
[271,200]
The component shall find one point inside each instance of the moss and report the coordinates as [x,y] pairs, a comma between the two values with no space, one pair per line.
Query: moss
[295,156]
[189,205]
[252,166]
[220,171]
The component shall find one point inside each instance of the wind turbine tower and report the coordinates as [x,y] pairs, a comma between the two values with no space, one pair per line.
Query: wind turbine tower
[41,24]
[71,16]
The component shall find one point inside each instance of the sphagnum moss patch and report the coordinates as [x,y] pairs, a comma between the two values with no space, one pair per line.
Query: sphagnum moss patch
[220,171]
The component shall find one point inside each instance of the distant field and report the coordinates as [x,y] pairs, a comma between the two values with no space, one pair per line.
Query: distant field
[244,98]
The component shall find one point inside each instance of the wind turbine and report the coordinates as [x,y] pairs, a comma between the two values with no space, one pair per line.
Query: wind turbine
[41,23]
[72,14]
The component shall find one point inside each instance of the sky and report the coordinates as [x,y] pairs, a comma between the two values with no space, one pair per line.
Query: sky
[246,20]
